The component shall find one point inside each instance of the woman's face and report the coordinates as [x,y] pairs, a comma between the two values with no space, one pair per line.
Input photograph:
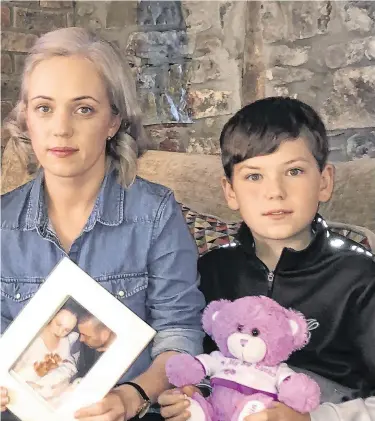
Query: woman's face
[68,116]
[63,323]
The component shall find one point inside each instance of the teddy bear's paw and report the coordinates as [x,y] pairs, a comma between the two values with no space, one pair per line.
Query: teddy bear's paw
[183,369]
[251,405]
[300,392]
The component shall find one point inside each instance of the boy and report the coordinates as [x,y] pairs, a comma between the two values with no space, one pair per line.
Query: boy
[274,153]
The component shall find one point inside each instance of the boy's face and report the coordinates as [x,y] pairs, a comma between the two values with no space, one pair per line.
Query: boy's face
[278,194]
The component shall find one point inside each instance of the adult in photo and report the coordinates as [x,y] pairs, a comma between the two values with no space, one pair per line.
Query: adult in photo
[77,128]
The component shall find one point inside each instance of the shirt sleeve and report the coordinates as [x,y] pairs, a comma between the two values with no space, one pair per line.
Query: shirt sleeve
[283,372]
[174,300]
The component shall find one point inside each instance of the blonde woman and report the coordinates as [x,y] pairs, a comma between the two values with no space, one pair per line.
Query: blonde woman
[78,126]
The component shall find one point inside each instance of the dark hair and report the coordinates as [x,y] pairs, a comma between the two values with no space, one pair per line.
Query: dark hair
[260,127]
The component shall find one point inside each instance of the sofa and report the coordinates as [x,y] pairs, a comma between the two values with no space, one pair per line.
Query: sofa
[195,180]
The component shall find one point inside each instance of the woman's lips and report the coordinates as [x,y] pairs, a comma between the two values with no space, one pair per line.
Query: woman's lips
[63,152]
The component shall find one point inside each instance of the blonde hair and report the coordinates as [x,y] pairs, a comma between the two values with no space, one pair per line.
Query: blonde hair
[129,142]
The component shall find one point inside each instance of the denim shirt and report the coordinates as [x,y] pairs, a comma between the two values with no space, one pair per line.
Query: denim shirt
[135,243]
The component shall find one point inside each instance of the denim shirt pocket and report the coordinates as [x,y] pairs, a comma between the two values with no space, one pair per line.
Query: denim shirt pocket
[15,294]
[129,288]
[18,291]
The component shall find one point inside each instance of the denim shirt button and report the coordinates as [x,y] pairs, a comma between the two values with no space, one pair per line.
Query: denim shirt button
[121,293]
[18,296]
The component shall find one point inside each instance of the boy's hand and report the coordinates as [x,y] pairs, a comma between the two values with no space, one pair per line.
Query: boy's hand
[279,412]
[174,404]
[4,399]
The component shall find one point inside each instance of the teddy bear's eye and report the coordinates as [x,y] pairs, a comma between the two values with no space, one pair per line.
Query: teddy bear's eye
[255,332]
[240,328]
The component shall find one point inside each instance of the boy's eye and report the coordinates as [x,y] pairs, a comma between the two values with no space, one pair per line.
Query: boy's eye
[85,110]
[254,177]
[295,171]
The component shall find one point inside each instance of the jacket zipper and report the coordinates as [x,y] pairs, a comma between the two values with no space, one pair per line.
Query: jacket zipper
[270,279]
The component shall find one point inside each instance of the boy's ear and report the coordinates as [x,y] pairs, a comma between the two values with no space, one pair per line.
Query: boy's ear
[326,183]
[230,195]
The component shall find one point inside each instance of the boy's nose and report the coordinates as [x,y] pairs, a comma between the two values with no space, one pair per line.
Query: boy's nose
[243,342]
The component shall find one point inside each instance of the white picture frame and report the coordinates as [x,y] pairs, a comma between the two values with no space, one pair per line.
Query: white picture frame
[67,281]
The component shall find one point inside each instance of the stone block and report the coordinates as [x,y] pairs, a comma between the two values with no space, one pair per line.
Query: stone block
[158,47]
[5,16]
[56,4]
[294,20]
[37,20]
[352,101]
[199,16]
[356,18]
[361,146]
[163,13]
[204,69]
[370,48]
[274,21]
[19,62]
[16,41]
[283,75]
[6,64]
[6,108]
[342,55]
[121,14]
[282,55]
[9,87]
[209,103]
[168,137]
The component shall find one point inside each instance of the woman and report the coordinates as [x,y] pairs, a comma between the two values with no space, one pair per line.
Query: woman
[78,121]
[48,363]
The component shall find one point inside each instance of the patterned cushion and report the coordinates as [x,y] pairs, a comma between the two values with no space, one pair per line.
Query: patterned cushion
[209,232]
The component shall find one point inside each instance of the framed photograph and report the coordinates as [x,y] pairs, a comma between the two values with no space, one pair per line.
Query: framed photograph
[68,346]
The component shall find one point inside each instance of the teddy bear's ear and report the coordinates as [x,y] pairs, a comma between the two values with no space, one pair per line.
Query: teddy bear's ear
[210,313]
[298,326]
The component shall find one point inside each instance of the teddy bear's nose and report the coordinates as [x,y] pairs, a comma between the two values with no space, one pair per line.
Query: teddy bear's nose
[243,342]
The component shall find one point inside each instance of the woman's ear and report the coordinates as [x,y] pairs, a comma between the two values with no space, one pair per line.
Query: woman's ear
[229,193]
[115,125]
[326,183]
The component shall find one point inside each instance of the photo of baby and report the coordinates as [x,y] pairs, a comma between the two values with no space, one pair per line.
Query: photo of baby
[63,352]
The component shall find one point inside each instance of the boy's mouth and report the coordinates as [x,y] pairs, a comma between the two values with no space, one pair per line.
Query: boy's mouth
[278,212]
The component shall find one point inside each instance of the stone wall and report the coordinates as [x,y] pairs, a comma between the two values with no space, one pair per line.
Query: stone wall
[197,62]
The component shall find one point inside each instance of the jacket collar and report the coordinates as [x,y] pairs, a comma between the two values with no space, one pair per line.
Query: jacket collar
[108,208]
[291,259]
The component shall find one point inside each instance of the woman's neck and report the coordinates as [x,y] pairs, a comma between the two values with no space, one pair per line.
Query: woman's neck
[70,194]
[269,251]
[70,202]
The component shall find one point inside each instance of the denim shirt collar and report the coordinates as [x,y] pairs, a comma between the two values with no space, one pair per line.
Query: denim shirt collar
[108,208]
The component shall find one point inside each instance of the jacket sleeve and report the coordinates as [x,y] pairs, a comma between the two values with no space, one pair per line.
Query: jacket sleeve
[355,410]
[174,301]
[363,328]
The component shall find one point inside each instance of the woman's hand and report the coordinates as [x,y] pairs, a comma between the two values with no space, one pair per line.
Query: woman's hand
[120,404]
[174,405]
[279,412]
[4,398]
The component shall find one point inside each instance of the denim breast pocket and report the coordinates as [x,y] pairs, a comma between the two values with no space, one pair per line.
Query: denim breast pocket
[130,289]
[15,294]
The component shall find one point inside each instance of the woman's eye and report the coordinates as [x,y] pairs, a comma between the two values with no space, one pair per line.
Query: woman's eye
[85,110]
[254,177]
[43,109]
[295,171]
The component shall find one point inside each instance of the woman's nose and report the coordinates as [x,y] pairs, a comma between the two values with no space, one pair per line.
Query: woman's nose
[62,124]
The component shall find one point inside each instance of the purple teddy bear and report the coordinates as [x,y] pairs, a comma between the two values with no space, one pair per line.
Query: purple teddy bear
[254,335]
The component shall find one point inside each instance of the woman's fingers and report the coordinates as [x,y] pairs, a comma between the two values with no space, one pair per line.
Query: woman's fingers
[4,398]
